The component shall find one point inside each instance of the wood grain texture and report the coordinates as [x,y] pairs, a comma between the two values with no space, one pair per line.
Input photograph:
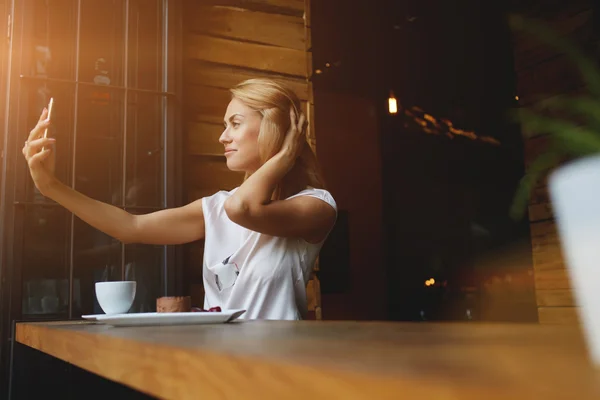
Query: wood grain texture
[195,193]
[225,43]
[530,52]
[227,76]
[558,316]
[213,174]
[249,55]
[552,279]
[544,235]
[208,104]
[203,139]
[552,77]
[544,73]
[336,360]
[540,212]
[285,7]
[548,258]
[539,195]
[308,36]
[307,12]
[534,147]
[545,245]
[555,298]
[309,65]
[250,26]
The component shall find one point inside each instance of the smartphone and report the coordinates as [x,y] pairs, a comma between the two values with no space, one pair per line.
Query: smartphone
[50,104]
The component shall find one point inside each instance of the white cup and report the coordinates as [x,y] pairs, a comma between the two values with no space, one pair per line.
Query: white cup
[115,297]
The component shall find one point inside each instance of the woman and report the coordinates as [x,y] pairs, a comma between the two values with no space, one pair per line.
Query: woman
[262,238]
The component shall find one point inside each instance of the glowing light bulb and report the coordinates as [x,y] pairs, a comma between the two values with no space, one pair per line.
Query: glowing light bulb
[392,104]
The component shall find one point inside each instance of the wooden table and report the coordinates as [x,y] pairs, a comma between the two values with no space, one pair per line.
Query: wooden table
[328,360]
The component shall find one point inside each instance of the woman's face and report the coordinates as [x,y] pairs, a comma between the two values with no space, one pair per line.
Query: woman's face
[240,137]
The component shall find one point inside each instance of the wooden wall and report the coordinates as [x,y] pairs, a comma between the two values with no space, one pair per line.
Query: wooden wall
[542,72]
[225,42]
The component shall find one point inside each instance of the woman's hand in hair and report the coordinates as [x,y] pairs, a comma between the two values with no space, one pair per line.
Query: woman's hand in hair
[295,138]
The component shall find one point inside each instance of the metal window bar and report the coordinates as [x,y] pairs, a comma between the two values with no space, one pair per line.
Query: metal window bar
[125,116]
[74,158]
[165,108]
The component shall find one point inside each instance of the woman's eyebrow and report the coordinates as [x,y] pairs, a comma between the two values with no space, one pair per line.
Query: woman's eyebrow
[235,115]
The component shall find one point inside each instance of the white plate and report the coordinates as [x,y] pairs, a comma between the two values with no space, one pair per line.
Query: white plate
[178,318]
[91,317]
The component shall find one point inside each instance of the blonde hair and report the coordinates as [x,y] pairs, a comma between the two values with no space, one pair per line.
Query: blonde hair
[273,100]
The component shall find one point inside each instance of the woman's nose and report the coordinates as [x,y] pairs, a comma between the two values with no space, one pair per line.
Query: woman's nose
[224,138]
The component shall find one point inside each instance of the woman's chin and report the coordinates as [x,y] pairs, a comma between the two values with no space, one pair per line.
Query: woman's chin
[235,167]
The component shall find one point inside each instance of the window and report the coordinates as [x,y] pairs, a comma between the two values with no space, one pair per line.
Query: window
[110,67]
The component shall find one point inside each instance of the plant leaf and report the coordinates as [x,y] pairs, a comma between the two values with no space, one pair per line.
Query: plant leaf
[586,67]
[585,106]
[575,139]
[544,162]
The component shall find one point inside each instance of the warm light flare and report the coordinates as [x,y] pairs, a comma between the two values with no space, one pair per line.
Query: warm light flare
[392,104]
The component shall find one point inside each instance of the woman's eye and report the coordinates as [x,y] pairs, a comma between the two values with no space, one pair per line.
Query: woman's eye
[235,124]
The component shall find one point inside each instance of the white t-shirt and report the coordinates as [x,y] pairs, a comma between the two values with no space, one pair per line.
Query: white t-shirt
[265,275]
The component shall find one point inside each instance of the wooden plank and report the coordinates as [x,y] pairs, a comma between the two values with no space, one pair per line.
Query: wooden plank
[547,79]
[248,55]
[528,50]
[550,260]
[307,12]
[196,193]
[564,27]
[549,9]
[536,142]
[349,360]
[203,138]
[540,194]
[555,298]
[540,212]
[308,38]
[535,102]
[545,246]
[285,7]
[547,257]
[309,64]
[252,26]
[544,241]
[534,146]
[227,76]
[208,104]
[552,279]
[311,297]
[543,229]
[206,174]
[558,315]
[311,122]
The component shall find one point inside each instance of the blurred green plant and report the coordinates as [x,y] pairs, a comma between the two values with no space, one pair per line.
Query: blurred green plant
[573,134]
